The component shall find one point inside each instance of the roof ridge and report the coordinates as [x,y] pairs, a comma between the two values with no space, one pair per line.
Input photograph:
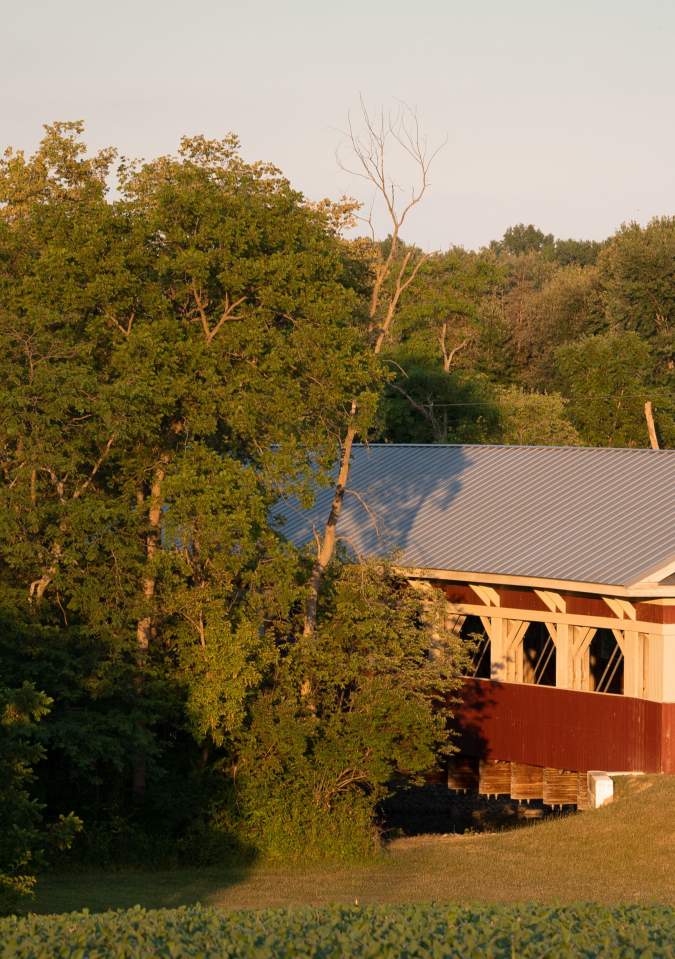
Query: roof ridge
[515,446]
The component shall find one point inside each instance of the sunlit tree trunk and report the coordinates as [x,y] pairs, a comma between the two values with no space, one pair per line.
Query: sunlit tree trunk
[145,625]
[370,156]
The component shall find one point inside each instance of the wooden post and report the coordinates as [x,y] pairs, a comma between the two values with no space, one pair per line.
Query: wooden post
[649,416]
[515,630]
[581,640]
[495,628]
[583,792]
[463,774]
[560,787]
[629,641]
[656,667]
[563,657]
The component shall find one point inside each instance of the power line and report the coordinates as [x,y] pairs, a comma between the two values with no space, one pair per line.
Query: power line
[601,396]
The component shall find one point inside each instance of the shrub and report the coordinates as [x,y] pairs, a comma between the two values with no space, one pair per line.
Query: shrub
[23,836]
[350,710]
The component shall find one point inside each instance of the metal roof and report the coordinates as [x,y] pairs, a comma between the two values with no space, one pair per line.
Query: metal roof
[570,513]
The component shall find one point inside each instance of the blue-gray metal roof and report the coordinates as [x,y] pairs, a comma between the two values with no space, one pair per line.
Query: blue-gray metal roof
[568,513]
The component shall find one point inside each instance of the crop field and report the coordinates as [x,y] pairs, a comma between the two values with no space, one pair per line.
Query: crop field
[429,931]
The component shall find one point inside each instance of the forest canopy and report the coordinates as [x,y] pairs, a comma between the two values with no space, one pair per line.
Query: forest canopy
[184,341]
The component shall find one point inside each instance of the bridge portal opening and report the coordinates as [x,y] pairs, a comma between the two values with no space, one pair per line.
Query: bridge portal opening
[605,663]
[473,631]
[538,656]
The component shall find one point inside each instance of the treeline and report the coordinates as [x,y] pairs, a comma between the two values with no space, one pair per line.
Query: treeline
[538,341]
[178,354]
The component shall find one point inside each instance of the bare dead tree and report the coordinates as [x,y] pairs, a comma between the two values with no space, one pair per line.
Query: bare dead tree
[448,352]
[372,155]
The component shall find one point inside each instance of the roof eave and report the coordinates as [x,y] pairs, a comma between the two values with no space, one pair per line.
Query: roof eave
[655,574]
[629,590]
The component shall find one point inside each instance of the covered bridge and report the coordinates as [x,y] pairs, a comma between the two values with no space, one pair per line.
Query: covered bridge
[561,560]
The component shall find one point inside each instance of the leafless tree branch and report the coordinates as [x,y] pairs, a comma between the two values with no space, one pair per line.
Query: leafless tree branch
[370,153]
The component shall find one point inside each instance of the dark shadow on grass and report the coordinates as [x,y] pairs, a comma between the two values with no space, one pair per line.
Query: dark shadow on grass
[432,807]
[101,890]
[227,862]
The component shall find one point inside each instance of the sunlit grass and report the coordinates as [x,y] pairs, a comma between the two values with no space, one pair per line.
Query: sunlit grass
[623,853]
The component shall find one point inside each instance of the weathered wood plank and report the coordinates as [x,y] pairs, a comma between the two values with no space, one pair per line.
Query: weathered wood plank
[560,787]
[527,782]
[494,778]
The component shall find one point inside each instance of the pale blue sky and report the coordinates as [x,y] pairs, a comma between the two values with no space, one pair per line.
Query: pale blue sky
[558,113]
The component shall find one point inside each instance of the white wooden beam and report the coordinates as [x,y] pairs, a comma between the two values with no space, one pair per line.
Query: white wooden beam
[488,594]
[496,630]
[551,600]
[515,631]
[633,664]
[572,619]
[621,607]
[563,654]
[580,643]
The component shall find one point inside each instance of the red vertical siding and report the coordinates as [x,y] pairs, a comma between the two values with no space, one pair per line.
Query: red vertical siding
[650,613]
[668,738]
[584,605]
[459,593]
[544,726]
[513,598]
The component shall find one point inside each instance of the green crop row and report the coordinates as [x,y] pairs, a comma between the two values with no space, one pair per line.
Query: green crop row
[378,932]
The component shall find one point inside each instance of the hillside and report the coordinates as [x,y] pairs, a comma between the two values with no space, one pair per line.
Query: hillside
[623,853]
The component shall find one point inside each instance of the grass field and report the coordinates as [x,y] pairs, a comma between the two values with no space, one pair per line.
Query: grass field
[624,853]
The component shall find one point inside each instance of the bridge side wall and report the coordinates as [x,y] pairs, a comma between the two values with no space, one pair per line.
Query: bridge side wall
[567,729]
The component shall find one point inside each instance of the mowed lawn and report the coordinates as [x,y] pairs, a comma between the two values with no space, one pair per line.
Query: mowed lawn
[623,853]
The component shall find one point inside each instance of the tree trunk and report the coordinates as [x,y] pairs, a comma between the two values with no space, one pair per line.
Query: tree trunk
[145,625]
[370,154]
[327,542]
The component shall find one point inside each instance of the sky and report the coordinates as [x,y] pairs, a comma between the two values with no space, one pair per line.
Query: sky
[555,113]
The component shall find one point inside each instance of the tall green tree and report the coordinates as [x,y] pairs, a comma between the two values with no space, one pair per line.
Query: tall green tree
[637,267]
[607,379]
[523,238]
[440,321]
[567,306]
[638,275]
[188,342]
[534,419]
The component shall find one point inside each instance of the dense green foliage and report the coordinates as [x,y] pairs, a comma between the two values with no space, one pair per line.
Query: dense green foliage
[174,360]
[442,932]
[378,707]
[24,836]
[177,354]
[609,377]
[584,329]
